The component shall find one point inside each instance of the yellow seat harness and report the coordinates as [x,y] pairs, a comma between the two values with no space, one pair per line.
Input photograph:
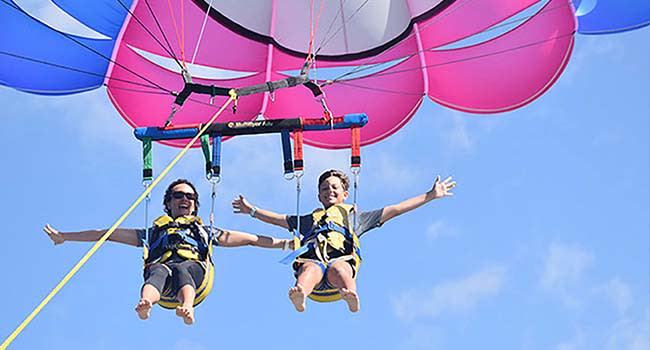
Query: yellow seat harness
[186,237]
[332,232]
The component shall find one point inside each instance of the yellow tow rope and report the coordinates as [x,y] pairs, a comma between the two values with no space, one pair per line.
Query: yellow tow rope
[110,231]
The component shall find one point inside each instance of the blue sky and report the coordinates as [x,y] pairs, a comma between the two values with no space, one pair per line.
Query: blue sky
[545,244]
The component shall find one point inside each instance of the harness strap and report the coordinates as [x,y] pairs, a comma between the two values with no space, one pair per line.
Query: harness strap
[190,88]
[298,163]
[187,242]
[296,253]
[286,153]
[327,227]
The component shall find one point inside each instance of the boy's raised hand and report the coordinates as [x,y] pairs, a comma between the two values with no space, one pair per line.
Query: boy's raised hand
[241,206]
[442,188]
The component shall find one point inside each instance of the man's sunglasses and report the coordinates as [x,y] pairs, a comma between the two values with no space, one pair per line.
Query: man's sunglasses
[188,196]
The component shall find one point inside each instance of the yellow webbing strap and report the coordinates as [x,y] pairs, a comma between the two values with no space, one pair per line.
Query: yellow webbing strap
[110,231]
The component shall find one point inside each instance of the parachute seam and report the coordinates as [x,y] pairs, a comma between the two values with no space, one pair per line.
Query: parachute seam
[169,50]
[342,26]
[366,64]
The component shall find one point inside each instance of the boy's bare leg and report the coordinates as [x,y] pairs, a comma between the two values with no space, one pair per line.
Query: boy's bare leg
[186,297]
[340,275]
[308,276]
[148,297]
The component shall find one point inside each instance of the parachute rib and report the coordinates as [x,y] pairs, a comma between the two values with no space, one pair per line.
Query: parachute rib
[342,27]
[168,49]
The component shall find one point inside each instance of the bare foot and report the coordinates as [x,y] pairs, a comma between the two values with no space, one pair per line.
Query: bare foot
[351,298]
[186,312]
[143,308]
[297,297]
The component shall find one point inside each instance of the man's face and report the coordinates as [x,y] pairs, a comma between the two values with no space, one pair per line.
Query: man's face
[331,192]
[180,204]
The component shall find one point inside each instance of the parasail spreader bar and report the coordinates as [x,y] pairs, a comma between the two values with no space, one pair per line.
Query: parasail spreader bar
[253,127]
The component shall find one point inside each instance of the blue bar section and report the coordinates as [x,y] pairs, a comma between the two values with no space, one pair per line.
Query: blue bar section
[216,154]
[611,16]
[38,59]
[286,152]
[157,134]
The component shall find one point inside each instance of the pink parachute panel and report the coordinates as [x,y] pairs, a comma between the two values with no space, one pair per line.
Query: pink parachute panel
[494,76]
[506,72]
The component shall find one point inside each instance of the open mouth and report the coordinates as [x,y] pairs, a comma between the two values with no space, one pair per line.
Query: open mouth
[184,207]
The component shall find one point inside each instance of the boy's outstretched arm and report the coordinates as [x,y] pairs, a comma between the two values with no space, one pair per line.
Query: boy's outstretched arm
[120,235]
[241,206]
[230,238]
[440,189]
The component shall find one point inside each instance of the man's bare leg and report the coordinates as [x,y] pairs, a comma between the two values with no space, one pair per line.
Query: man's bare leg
[186,297]
[148,297]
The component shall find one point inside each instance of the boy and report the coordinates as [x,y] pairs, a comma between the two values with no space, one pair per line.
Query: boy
[328,257]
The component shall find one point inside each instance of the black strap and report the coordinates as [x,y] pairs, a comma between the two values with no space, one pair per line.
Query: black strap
[200,89]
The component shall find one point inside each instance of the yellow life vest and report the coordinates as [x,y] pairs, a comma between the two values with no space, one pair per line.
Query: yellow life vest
[185,236]
[332,231]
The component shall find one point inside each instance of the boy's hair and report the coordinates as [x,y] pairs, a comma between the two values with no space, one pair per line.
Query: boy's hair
[168,195]
[337,173]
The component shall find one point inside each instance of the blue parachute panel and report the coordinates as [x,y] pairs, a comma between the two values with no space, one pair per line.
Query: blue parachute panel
[104,16]
[611,16]
[50,62]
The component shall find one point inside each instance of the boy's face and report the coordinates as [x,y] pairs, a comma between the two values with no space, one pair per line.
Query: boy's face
[331,192]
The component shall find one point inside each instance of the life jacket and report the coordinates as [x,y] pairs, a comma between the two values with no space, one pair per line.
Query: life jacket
[186,237]
[332,231]
[332,234]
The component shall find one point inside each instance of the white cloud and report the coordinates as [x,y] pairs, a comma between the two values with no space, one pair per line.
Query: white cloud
[425,338]
[186,344]
[440,228]
[630,334]
[619,293]
[453,296]
[564,267]
[458,137]
[577,342]
[99,124]
[394,174]
[589,48]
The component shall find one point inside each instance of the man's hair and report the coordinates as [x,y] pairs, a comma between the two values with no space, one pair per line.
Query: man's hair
[337,173]
[169,191]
